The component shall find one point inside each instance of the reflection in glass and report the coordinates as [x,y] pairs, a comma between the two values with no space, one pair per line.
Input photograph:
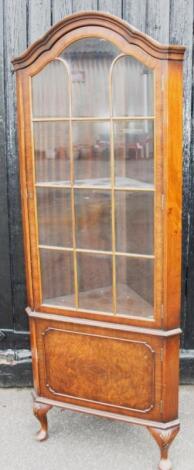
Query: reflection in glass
[134,286]
[134,153]
[93,219]
[54,217]
[89,60]
[91,151]
[132,88]
[134,221]
[51,148]
[95,281]
[50,91]
[57,277]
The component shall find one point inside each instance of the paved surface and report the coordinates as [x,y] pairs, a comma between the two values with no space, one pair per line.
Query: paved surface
[82,442]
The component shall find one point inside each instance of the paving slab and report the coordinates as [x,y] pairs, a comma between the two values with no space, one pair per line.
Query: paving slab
[83,442]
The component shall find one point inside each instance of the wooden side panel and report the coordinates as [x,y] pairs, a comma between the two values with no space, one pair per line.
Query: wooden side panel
[97,368]
[172,192]
[34,350]
[21,100]
[170,378]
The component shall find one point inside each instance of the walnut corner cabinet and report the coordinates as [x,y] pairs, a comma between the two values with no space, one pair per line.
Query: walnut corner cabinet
[100,142]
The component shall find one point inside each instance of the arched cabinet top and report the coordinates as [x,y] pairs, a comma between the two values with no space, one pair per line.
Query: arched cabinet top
[97,19]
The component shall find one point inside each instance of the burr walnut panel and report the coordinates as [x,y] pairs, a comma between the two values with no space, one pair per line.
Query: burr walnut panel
[100,368]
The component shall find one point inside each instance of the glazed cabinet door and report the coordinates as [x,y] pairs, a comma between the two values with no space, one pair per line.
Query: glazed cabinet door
[96,141]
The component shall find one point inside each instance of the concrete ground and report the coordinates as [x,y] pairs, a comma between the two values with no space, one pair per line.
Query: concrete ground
[83,442]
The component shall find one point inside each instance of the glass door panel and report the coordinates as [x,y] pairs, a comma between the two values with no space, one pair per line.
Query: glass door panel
[52,152]
[134,222]
[134,153]
[93,219]
[94,165]
[57,277]
[132,88]
[89,62]
[95,282]
[134,286]
[91,153]
[54,217]
[49,91]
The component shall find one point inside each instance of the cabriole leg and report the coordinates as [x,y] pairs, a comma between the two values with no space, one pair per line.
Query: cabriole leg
[164,439]
[40,411]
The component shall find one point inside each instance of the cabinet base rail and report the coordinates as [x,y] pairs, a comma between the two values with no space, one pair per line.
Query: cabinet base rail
[163,433]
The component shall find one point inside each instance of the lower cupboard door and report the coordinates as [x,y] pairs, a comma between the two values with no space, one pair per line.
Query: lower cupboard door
[100,368]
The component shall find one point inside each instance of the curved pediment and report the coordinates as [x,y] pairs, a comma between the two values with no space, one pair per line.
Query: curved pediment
[95,19]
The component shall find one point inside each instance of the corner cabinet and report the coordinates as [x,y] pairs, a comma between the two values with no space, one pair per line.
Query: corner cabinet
[99,124]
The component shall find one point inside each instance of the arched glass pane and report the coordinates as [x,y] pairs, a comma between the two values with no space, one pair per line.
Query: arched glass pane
[89,61]
[50,95]
[132,88]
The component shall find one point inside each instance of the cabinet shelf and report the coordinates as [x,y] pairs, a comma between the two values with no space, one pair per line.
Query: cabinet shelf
[128,300]
[132,185]
[103,252]
[92,118]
